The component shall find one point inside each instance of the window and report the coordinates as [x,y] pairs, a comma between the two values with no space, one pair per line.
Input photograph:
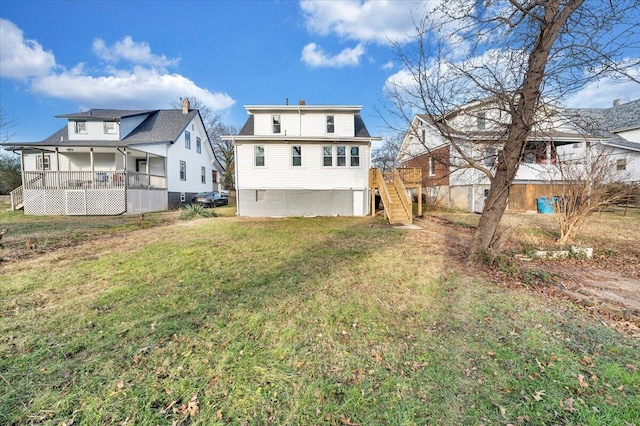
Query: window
[481,120]
[110,127]
[81,127]
[327,156]
[355,156]
[296,156]
[47,162]
[203,174]
[259,156]
[424,136]
[214,176]
[432,166]
[330,124]
[183,170]
[275,119]
[187,140]
[342,156]
[198,145]
[621,164]
[491,156]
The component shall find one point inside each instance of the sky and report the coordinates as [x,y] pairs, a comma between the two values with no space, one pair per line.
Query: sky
[59,57]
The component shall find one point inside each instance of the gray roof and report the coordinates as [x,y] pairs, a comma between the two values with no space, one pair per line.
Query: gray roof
[161,126]
[605,122]
[105,114]
[247,129]
[360,129]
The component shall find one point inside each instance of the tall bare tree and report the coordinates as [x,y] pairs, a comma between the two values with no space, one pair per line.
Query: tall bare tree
[10,177]
[385,156]
[518,53]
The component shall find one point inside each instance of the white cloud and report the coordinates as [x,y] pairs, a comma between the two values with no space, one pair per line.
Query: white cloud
[314,56]
[20,58]
[146,85]
[139,88]
[602,93]
[130,51]
[366,21]
[388,66]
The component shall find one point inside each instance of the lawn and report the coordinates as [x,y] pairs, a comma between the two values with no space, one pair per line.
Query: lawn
[296,321]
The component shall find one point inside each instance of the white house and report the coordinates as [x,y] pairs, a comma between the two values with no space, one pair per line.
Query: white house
[477,130]
[302,160]
[109,162]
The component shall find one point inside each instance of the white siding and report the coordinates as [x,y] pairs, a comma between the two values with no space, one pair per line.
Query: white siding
[631,135]
[177,152]
[95,131]
[313,124]
[278,172]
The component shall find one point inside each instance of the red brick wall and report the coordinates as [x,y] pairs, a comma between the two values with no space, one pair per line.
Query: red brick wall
[441,176]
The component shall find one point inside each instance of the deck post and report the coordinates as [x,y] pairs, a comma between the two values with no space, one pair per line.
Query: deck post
[420,199]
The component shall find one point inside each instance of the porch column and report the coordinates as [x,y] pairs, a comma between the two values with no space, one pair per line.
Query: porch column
[22,166]
[57,168]
[93,175]
[548,153]
[147,167]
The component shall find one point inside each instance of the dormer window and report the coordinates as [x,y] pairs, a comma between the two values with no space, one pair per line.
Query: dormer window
[81,127]
[110,127]
[330,124]
[275,119]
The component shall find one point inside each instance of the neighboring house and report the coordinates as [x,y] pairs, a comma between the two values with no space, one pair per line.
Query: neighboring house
[302,160]
[109,162]
[478,129]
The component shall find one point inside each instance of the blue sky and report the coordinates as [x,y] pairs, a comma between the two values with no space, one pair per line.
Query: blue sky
[65,56]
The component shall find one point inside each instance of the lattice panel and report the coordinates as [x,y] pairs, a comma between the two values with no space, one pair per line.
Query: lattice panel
[144,201]
[74,202]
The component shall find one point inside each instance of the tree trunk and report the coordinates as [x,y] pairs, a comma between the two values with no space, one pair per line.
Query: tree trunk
[522,117]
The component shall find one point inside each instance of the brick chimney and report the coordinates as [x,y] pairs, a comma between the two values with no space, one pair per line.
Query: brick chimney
[185,106]
[302,102]
[617,102]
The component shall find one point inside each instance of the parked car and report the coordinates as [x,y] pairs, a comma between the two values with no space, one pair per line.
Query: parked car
[210,199]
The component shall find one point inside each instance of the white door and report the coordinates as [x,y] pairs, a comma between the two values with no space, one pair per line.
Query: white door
[358,203]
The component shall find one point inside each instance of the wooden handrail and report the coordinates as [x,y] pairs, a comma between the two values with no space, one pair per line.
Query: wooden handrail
[402,193]
[384,193]
[17,198]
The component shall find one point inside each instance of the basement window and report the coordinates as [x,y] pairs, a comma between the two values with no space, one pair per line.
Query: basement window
[621,164]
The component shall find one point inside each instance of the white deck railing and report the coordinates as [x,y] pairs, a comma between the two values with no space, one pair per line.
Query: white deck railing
[17,198]
[92,180]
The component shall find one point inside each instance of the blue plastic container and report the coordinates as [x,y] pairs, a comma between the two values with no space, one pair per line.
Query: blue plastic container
[545,204]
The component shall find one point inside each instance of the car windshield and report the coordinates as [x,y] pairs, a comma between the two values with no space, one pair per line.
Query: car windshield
[202,194]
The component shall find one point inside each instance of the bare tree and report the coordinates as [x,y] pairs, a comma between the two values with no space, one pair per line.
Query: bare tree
[10,177]
[586,183]
[385,156]
[513,54]
[225,152]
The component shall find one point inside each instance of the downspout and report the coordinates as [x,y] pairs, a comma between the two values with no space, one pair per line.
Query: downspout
[22,166]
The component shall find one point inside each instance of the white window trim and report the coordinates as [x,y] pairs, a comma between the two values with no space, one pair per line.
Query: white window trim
[293,156]
[432,165]
[183,170]
[47,162]
[346,155]
[77,127]
[203,174]
[106,128]
[332,124]
[264,156]
[331,156]
[351,156]
[187,140]
[198,145]
[279,124]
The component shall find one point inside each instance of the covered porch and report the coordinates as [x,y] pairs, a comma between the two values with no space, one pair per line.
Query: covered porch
[92,181]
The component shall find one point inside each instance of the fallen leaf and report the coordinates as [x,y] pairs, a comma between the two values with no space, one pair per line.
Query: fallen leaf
[192,407]
[632,367]
[582,381]
[347,421]
[218,414]
[539,394]
[120,384]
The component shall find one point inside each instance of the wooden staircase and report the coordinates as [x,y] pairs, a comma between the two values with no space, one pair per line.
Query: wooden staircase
[17,198]
[398,208]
